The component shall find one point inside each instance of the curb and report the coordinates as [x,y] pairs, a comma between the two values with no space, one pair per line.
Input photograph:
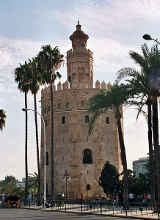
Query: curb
[32,208]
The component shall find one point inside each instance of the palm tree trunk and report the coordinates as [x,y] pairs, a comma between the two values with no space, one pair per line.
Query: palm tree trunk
[156,147]
[26,148]
[151,167]
[37,143]
[52,143]
[124,162]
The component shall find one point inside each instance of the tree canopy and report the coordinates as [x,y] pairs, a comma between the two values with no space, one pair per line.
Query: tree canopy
[109,179]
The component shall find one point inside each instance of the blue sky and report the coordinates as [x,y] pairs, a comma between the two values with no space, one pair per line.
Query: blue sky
[114,27]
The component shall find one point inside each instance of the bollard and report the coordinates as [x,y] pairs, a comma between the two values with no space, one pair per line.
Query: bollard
[100,207]
[81,206]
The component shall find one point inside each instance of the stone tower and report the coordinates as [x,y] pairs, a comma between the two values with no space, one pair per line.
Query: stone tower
[75,153]
[80,61]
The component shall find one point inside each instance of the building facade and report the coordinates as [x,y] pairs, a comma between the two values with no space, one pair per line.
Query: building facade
[80,156]
[140,166]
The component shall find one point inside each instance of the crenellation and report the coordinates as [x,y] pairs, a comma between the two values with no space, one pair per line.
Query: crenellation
[97,84]
[54,87]
[109,85]
[66,85]
[59,86]
[75,85]
[103,85]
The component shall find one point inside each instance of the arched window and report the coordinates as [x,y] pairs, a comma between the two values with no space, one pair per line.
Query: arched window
[87,156]
[86,118]
[107,120]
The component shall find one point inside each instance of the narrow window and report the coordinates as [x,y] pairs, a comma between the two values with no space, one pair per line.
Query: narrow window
[47,188]
[87,156]
[107,120]
[82,103]
[88,187]
[63,120]
[67,105]
[47,159]
[48,109]
[44,110]
[86,119]
[69,79]
[59,105]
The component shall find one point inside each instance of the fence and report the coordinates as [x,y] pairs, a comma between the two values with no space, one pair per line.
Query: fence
[103,208]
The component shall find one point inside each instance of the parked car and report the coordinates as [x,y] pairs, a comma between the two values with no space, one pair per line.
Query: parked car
[12,201]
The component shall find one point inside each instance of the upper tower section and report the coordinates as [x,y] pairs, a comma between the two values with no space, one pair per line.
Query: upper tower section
[80,61]
[79,38]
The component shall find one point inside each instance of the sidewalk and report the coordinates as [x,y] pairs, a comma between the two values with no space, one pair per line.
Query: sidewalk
[77,209]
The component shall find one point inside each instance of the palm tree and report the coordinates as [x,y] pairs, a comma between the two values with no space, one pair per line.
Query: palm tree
[21,78]
[33,183]
[114,97]
[2,119]
[149,61]
[50,59]
[34,87]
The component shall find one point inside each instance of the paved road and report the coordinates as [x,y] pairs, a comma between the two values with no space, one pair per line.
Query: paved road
[24,214]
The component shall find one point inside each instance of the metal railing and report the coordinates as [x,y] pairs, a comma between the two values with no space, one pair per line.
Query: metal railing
[103,208]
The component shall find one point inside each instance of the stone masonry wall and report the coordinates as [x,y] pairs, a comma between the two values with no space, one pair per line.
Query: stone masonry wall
[71,139]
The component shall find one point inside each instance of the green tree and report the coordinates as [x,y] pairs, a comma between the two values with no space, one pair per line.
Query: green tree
[50,59]
[148,62]
[138,185]
[9,187]
[22,77]
[10,179]
[106,99]
[34,184]
[109,179]
[2,119]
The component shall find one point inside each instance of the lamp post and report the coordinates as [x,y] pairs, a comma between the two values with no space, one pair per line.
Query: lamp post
[45,162]
[154,84]
[66,176]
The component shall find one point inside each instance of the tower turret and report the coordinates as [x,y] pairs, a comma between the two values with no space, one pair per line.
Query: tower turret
[80,61]
[79,38]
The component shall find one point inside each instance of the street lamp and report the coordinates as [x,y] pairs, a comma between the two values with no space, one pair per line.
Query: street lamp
[154,83]
[154,75]
[66,176]
[148,37]
[45,150]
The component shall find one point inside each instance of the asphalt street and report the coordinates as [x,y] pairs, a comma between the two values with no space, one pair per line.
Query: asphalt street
[26,214]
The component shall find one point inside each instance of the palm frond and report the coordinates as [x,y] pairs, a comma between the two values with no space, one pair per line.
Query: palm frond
[126,72]
[106,99]
[92,120]
[138,58]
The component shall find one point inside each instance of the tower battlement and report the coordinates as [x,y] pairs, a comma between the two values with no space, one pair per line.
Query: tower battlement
[67,86]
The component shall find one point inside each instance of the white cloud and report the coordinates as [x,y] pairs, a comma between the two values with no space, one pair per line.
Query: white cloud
[14,52]
[124,21]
